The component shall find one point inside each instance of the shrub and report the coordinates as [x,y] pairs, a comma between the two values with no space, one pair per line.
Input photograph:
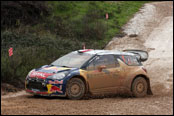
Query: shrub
[28,12]
[32,53]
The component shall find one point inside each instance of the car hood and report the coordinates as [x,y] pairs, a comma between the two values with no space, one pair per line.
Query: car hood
[46,71]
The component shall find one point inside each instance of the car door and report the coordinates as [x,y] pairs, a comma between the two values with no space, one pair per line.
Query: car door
[105,80]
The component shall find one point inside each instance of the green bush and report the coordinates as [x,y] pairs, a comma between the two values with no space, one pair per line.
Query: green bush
[33,53]
[13,13]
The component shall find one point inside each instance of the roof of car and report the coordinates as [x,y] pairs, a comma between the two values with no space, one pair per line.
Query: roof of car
[104,52]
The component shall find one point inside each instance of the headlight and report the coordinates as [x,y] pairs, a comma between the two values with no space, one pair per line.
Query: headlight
[27,81]
[58,76]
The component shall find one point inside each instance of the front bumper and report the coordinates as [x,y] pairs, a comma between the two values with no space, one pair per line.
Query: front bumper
[44,93]
[36,92]
[45,87]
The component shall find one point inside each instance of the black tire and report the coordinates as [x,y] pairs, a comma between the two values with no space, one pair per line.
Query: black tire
[75,89]
[139,87]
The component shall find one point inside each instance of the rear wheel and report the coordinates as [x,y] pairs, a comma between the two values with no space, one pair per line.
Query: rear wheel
[75,88]
[139,87]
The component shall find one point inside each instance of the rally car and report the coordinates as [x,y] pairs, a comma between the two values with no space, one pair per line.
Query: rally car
[92,72]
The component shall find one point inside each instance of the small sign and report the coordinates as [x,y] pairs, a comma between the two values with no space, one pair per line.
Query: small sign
[107,16]
[10,51]
[84,47]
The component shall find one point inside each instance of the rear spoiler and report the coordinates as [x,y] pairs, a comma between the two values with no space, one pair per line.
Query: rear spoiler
[140,54]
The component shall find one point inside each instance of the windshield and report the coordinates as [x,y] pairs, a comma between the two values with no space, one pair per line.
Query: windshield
[74,59]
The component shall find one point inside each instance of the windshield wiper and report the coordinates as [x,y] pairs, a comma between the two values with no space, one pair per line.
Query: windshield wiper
[65,66]
[59,65]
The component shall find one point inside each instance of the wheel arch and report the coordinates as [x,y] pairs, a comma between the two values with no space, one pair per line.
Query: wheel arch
[149,92]
[83,79]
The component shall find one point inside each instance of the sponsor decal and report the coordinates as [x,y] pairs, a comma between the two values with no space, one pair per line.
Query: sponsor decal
[55,82]
[34,74]
[55,68]
[51,68]
[54,89]
[40,74]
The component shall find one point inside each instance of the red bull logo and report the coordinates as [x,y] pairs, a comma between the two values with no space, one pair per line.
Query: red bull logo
[56,89]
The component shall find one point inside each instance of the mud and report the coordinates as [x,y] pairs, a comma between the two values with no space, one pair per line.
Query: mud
[155,36]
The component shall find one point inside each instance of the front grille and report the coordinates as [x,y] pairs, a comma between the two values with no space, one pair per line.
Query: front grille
[36,79]
[36,83]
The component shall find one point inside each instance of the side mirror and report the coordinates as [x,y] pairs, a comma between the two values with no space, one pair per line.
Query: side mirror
[100,68]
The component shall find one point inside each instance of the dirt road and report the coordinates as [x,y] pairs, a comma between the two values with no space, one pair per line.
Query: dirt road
[154,27]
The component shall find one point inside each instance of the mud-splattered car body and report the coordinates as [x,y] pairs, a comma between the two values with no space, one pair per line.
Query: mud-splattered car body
[101,71]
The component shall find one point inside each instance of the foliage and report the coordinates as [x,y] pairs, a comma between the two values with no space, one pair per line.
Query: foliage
[13,13]
[41,32]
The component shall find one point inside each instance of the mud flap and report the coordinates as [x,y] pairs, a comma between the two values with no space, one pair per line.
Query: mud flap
[149,91]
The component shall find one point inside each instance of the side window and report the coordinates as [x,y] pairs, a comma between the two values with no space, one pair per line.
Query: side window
[122,58]
[91,66]
[108,60]
[129,60]
[116,62]
[134,61]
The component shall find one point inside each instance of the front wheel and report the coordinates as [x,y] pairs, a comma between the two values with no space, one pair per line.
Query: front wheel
[139,87]
[75,88]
